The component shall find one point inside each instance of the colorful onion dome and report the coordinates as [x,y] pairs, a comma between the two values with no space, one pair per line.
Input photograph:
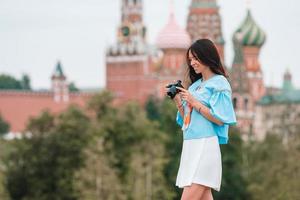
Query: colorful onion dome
[249,33]
[173,36]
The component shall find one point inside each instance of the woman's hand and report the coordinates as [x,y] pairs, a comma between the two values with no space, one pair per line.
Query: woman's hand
[177,99]
[186,95]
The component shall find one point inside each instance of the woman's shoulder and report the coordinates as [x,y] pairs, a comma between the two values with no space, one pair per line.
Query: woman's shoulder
[219,82]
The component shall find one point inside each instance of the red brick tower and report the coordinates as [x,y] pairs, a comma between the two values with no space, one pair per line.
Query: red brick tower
[246,72]
[59,85]
[128,64]
[204,21]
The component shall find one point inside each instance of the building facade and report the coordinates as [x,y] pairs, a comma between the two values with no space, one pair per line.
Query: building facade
[278,112]
[136,70]
[246,72]
[18,106]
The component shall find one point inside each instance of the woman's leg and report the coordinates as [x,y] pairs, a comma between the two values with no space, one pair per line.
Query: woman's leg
[207,195]
[193,192]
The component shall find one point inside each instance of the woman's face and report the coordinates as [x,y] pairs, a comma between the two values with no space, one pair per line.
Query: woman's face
[197,66]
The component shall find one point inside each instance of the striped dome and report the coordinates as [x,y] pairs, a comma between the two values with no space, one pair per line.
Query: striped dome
[249,33]
[173,36]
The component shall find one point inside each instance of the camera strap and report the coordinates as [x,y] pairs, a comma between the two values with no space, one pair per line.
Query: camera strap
[187,116]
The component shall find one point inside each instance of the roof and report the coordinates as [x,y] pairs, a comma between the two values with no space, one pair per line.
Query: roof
[204,4]
[282,98]
[58,72]
[288,93]
[172,35]
[249,33]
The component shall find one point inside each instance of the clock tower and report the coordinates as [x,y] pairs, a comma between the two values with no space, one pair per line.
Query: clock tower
[132,29]
[128,61]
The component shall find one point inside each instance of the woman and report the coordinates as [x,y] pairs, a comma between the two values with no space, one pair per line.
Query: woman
[205,112]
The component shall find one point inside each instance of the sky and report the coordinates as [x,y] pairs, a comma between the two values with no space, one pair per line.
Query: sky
[35,34]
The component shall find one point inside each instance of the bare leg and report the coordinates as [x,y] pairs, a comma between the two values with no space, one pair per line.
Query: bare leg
[207,195]
[193,192]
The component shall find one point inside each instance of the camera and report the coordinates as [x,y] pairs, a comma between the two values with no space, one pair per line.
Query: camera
[172,91]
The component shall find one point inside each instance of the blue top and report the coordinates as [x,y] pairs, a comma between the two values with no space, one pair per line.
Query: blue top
[215,93]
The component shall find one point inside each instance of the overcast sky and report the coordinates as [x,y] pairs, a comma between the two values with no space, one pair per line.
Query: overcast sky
[34,34]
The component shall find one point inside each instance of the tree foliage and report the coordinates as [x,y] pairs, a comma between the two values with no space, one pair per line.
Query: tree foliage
[25,82]
[131,147]
[43,166]
[164,113]
[4,126]
[234,183]
[273,168]
[9,82]
[5,148]
[126,152]
[72,87]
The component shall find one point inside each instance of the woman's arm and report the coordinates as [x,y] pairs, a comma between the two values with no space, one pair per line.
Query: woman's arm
[202,109]
[178,103]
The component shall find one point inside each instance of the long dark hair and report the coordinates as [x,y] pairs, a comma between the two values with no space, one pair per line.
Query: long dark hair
[205,51]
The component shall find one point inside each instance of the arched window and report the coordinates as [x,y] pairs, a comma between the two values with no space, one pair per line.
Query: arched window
[234,102]
[246,104]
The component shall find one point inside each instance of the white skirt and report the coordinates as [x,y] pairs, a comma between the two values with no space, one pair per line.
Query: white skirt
[200,163]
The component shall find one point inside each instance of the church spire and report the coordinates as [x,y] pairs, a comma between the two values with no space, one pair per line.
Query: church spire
[249,38]
[58,72]
[59,84]
[131,37]
[132,28]
[287,81]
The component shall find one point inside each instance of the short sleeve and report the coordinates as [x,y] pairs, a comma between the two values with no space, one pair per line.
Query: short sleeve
[222,133]
[179,119]
[221,106]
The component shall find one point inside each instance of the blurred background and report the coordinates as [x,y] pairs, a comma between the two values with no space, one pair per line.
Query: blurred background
[83,114]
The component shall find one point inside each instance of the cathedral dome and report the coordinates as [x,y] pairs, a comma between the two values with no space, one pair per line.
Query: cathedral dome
[249,33]
[172,36]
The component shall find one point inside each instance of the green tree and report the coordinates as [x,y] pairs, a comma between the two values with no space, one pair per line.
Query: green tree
[43,166]
[100,105]
[97,179]
[234,184]
[152,108]
[9,82]
[4,126]
[5,147]
[133,147]
[73,88]
[25,82]
[42,124]
[273,170]
[164,113]
[131,143]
